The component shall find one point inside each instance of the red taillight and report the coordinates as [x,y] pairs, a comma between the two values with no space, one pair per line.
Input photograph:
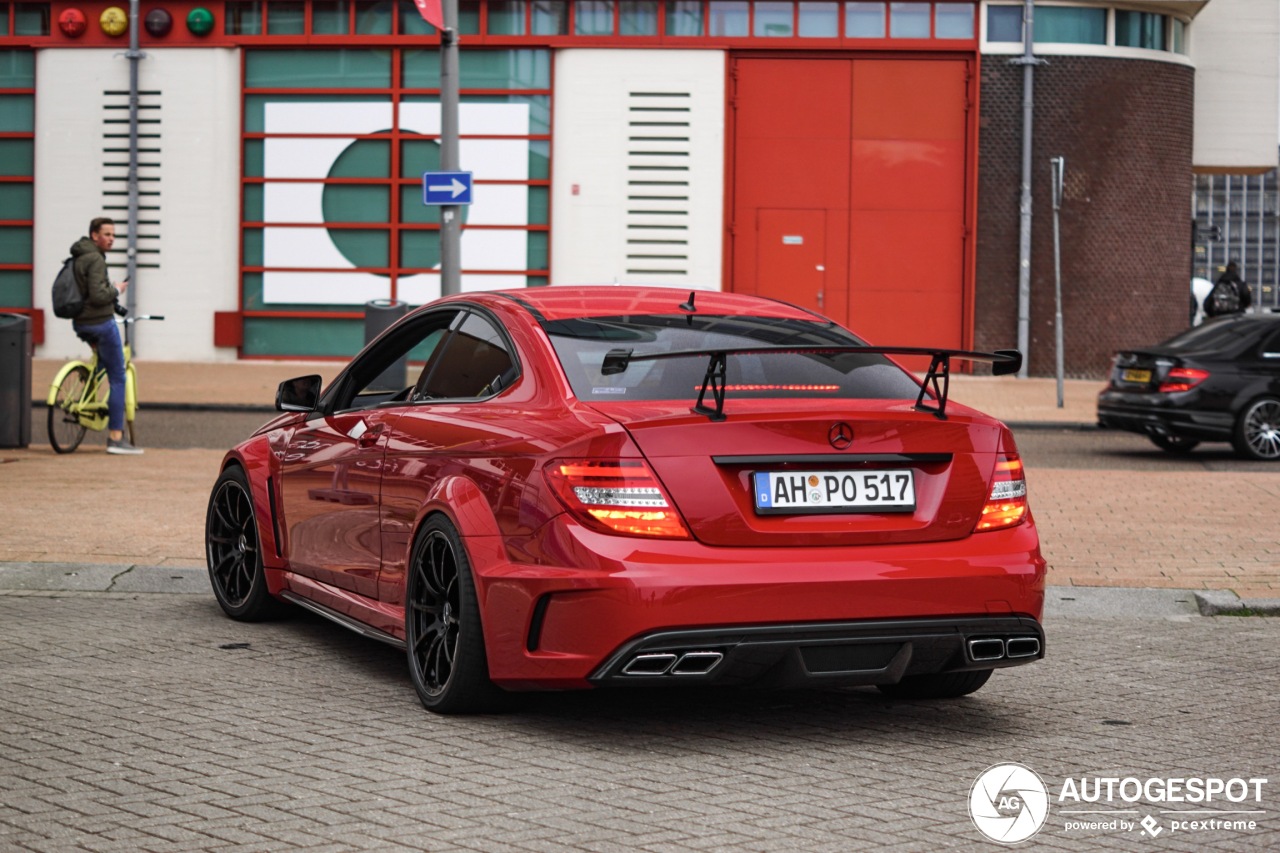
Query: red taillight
[616,496]
[1007,501]
[1183,379]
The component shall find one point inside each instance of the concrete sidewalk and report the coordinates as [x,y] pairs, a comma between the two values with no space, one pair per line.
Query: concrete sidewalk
[1018,402]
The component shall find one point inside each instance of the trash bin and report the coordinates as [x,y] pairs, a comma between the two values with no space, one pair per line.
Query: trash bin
[15,380]
[379,314]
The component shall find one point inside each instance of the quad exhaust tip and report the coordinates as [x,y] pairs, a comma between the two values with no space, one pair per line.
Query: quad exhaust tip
[998,648]
[673,663]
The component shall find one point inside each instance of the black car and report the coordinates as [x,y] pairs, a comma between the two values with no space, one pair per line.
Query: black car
[1216,382]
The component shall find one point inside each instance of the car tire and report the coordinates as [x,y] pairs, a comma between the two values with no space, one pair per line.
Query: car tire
[1257,432]
[443,633]
[233,551]
[944,685]
[1174,443]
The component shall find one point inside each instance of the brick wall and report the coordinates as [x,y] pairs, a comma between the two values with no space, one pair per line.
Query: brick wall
[1124,127]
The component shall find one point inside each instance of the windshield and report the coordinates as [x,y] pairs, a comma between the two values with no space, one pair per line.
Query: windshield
[581,345]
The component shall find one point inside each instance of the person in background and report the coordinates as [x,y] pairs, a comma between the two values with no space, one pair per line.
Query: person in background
[96,324]
[1230,294]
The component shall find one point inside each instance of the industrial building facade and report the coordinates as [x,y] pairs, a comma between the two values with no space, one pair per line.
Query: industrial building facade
[857,158]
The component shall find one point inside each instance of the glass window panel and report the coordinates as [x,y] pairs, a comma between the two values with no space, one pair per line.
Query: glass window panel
[539,160]
[593,17]
[538,253]
[253,202]
[1064,25]
[539,206]
[418,156]
[469,17]
[411,21]
[302,337]
[909,20]
[17,113]
[773,20]
[319,69]
[1178,43]
[15,201]
[242,18]
[535,281]
[1004,23]
[819,20]
[331,17]
[638,17]
[864,20]
[728,18]
[15,245]
[550,17]
[363,158]
[32,19]
[4,19]
[15,288]
[954,20]
[356,203]
[419,249]
[506,17]
[17,69]
[488,69]
[373,17]
[253,164]
[1140,29]
[684,17]
[286,18]
[252,248]
[17,157]
[414,212]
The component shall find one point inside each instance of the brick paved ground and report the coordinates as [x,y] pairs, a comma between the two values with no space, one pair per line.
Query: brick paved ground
[129,724]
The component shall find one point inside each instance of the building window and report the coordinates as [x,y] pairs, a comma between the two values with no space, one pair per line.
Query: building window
[773,19]
[550,17]
[953,21]
[819,20]
[1178,36]
[286,18]
[909,20]
[864,20]
[31,19]
[243,18]
[1064,24]
[684,17]
[729,18]
[638,17]
[506,17]
[1140,29]
[1004,23]
[17,168]
[593,17]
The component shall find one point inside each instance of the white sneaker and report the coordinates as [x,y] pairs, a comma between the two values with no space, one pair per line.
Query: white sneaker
[122,446]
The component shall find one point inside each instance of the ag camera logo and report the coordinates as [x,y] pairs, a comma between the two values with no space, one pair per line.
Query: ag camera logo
[1009,803]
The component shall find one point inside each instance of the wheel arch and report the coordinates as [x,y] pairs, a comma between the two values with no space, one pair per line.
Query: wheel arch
[261,474]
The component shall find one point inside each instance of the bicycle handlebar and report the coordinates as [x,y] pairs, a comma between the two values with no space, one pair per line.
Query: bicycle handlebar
[144,317]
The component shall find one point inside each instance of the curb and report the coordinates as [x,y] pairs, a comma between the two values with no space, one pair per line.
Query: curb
[1227,603]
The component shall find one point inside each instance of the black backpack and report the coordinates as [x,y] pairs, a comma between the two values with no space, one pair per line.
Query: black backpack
[68,301]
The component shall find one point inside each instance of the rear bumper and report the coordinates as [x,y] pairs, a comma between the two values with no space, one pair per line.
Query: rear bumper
[823,655]
[548,625]
[1152,414]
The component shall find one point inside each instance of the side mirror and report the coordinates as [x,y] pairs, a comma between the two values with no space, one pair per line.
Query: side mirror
[298,395]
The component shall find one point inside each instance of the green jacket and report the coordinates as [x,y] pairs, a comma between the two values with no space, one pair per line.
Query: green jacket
[91,274]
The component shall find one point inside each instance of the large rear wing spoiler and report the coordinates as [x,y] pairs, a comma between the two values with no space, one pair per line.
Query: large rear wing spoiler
[937,379]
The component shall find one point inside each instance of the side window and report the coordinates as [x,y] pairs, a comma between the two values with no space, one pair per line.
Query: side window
[475,362]
[388,372]
[1270,348]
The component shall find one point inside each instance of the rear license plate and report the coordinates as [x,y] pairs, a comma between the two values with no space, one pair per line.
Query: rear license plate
[779,492]
[1142,376]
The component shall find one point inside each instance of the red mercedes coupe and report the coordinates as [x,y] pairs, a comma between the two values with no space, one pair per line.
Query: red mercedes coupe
[574,487]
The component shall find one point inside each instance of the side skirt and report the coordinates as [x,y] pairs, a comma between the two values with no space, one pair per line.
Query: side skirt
[343,620]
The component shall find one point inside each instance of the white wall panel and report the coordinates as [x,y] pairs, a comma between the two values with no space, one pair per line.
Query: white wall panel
[199,171]
[601,95]
[1236,48]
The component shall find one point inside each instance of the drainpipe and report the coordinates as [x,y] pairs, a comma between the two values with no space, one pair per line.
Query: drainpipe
[131,253]
[1028,63]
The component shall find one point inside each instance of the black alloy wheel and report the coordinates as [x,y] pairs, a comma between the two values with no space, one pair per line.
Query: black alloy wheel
[234,553]
[1257,434]
[445,643]
[1174,443]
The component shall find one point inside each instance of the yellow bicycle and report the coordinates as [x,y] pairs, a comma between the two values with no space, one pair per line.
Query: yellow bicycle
[78,396]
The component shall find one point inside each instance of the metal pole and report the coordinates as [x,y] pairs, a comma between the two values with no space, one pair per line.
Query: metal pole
[131,252]
[450,214]
[1028,63]
[1058,165]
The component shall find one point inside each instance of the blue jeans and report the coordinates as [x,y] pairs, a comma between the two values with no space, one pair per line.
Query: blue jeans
[105,337]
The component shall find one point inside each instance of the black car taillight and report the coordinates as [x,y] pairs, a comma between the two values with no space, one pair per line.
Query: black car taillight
[1183,379]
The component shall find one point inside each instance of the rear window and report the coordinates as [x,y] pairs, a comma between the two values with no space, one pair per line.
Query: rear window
[1213,336]
[581,345]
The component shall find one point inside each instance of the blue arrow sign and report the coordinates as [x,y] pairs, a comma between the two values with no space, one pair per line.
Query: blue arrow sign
[446,188]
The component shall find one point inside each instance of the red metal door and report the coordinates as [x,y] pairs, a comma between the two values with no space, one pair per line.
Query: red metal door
[873,154]
[791,256]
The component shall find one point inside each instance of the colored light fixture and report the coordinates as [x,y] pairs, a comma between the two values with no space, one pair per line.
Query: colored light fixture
[72,23]
[200,21]
[113,21]
[158,23]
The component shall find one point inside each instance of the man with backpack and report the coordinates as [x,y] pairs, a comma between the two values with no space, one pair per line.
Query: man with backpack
[1230,295]
[96,322]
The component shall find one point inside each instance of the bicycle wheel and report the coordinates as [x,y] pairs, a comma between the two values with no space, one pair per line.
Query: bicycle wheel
[65,430]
